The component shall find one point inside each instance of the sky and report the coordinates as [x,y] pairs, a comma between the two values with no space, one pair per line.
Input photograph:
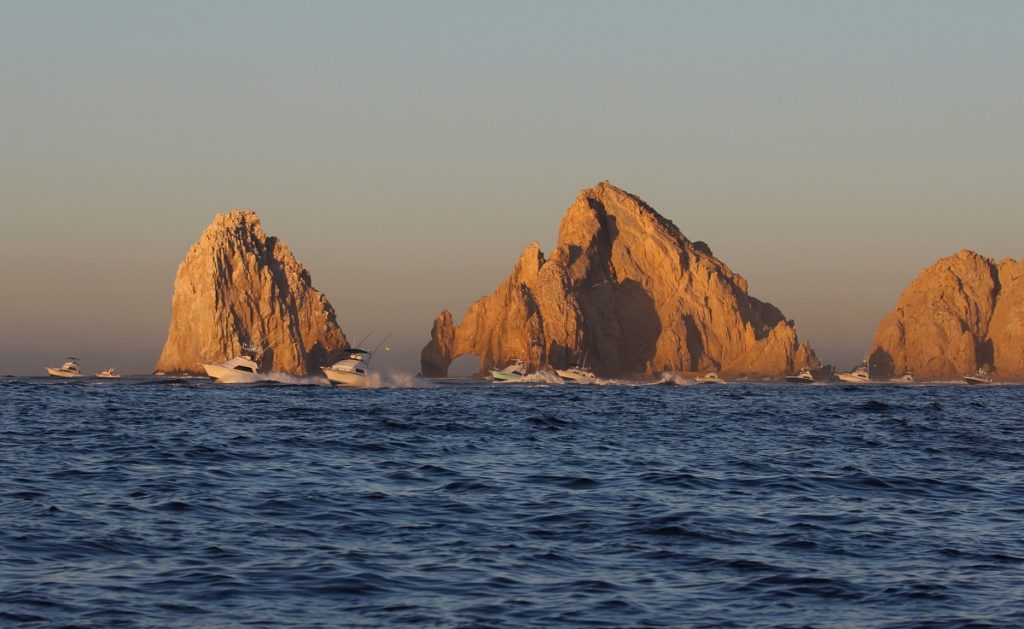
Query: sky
[408,151]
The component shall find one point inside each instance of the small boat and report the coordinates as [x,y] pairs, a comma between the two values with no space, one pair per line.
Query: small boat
[804,377]
[579,372]
[108,373]
[981,377]
[350,371]
[860,375]
[354,369]
[710,378]
[516,370]
[68,370]
[576,373]
[906,378]
[239,370]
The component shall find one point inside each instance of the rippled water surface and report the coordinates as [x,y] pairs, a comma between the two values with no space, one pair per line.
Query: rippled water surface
[136,503]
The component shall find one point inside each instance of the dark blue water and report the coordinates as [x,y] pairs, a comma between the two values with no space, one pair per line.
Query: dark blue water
[134,504]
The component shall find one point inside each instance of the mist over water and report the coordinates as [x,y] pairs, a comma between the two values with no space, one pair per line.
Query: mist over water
[183,503]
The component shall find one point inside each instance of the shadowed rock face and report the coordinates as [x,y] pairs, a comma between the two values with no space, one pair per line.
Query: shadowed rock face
[963,313]
[238,286]
[626,288]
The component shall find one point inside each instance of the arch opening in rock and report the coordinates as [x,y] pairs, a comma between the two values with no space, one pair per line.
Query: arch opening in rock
[465,366]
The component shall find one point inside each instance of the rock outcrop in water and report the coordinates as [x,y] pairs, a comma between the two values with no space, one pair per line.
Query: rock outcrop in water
[236,287]
[624,287]
[963,313]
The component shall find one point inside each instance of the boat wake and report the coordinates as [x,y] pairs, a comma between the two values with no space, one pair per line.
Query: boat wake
[539,377]
[395,380]
[277,377]
[671,379]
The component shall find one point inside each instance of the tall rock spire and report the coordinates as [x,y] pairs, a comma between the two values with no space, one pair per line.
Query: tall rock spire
[237,287]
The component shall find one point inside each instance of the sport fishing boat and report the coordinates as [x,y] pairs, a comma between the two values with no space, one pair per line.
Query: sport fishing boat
[354,369]
[516,370]
[576,373]
[804,377]
[238,370]
[981,377]
[710,378]
[860,375]
[906,378]
[68,370]
[350,371]
[107,373]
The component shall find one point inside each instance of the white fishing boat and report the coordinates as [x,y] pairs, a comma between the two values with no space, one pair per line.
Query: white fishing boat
[710,378]
[981,377]
[238,370]
[109,372]
[576,373]
[860,375]
[515,370]
[906,378]
[354,369]
[804,377]
[350,371]
[68,370]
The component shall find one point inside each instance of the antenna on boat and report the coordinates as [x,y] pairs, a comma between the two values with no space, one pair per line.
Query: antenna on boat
[360,343]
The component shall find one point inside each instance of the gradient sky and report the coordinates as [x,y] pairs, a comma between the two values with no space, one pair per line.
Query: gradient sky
[408,151]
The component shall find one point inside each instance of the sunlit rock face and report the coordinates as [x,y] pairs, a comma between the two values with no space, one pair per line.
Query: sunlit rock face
[238,286]
[963,313]
[626,289]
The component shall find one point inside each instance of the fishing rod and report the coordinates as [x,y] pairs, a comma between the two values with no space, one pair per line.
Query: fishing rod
[384,340]
[360,343]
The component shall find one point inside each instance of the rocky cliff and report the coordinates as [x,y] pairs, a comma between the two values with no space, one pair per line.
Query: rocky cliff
[236,287]
[626,288]
[963,313]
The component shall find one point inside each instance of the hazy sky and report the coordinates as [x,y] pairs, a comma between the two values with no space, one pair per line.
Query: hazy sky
[408,151]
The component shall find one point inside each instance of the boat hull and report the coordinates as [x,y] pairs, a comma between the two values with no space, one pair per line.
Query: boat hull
[851,379]
[974,380]
[799,380]
[56,372]
[224,375]
[572,376]
[345,378]
[506,377]
[106,375]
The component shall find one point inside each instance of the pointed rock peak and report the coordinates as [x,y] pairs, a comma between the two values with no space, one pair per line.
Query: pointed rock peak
[967,253]
[621,287]
[236,218]
[614,198]
[958,315]
[236,224]
[529,264]
[532,255]
[237,286]
[608,203]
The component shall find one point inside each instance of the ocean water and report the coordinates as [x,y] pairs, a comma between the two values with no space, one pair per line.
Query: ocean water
[145,503]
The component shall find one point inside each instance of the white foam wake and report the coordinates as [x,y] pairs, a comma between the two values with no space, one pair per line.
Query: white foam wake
[394,380]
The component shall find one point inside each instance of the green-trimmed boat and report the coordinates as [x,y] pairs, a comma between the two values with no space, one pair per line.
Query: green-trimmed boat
[516,370]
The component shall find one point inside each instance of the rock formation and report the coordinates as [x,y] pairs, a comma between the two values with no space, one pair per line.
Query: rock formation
[624,287]
[236,287]
[963,313]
